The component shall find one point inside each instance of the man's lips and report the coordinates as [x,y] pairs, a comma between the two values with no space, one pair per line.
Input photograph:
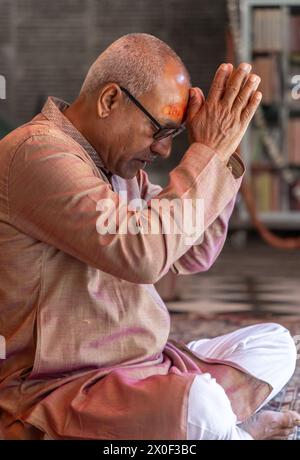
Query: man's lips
[146,160]
[143,162]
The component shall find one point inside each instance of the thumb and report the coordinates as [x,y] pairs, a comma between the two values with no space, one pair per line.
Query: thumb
[196,100]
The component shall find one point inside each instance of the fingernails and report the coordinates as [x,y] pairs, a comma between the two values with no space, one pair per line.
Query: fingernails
[246,67]
[253,78]
[224,67]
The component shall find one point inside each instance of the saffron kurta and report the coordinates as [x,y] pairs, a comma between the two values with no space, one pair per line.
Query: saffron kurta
[88,355]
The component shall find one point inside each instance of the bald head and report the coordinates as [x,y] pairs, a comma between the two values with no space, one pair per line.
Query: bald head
[118,129]
[135,61]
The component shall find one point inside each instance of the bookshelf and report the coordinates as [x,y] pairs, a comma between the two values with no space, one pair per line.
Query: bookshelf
[270,41]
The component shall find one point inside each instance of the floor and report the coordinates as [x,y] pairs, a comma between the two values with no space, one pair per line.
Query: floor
[253,278]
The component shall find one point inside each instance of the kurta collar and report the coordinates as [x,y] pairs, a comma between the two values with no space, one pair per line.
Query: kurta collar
[52,110]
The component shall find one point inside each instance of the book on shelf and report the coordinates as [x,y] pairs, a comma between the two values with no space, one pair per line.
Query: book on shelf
[268,29]
[294,140]
[268,69]
[266,188]
[295,203]
[293,60]
[294,33]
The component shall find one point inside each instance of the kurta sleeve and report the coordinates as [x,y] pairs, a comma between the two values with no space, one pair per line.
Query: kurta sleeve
[200,257]
[54,196]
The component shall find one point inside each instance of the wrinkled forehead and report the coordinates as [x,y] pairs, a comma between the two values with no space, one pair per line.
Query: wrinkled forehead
[169,98]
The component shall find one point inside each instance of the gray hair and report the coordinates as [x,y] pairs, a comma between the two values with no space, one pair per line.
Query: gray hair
[134,61]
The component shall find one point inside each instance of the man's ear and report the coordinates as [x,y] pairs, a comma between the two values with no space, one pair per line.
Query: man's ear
[109,99]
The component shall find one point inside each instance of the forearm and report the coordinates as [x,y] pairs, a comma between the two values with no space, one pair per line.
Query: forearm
[201,257]
[64,213]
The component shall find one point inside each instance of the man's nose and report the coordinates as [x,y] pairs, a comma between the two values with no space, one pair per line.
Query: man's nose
[162,147]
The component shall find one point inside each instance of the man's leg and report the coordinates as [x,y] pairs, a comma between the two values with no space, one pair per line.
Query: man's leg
[265,351]
[210,414]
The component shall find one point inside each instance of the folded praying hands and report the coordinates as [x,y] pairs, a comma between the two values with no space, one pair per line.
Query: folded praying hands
[221,120]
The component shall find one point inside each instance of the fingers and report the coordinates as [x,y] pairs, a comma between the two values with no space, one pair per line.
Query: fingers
[219,83]
[245,94]
[251,107]
[196,100]
[235,83]
[230,70]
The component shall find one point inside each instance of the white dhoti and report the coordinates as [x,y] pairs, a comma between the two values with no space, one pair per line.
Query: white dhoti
[265,351]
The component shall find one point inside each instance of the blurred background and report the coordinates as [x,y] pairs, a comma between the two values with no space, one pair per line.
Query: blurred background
[46,49]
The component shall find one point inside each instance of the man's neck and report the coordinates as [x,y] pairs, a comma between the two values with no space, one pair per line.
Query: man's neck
[78,114]
[73,114]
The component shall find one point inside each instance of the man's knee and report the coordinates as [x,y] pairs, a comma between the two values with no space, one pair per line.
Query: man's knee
[285,345]
[289,348]
[210,415]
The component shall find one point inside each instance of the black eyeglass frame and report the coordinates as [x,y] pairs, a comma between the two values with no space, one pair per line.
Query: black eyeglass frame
[163,131]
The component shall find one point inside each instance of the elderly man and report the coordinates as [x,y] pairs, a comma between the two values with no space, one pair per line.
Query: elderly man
[88,355]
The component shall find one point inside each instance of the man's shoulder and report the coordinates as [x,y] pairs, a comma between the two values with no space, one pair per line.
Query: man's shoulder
[41,129]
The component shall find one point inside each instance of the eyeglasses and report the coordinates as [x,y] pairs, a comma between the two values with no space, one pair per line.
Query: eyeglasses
[162,131]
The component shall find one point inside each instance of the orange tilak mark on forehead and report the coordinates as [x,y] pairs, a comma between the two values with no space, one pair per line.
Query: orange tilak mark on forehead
[174,111]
